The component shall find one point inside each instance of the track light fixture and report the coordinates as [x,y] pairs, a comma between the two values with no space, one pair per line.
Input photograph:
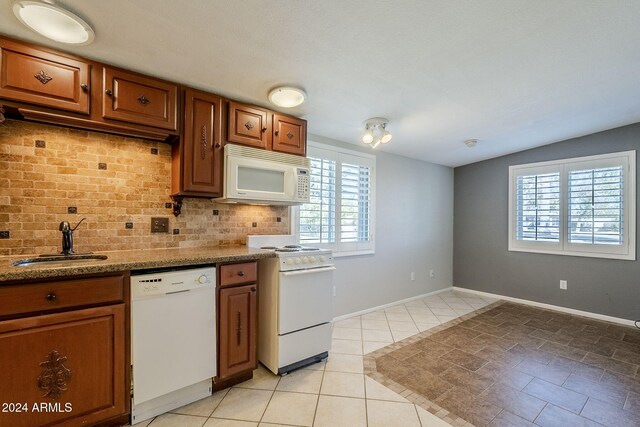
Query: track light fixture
[375,132]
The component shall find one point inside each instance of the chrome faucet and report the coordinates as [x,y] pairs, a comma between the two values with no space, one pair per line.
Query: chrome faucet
[67,236]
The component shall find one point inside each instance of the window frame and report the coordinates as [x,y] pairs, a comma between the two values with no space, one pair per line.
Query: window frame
[626,251]
[343,155]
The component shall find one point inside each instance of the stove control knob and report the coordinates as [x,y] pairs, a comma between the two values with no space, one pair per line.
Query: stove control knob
[312,259]
[202,279]
[289,261]
[305,260]
[321,258]
[297,260]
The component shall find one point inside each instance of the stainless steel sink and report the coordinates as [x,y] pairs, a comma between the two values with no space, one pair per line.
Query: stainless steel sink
[58,260]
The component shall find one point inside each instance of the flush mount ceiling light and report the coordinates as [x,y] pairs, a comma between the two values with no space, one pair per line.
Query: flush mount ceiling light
[375,132]
[53,22]
[287,97]
[471,143]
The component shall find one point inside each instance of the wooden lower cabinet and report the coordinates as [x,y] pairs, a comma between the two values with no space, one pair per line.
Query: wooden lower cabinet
[63,369]
[237,320]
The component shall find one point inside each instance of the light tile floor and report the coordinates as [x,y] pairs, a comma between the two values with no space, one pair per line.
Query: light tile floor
[336,392]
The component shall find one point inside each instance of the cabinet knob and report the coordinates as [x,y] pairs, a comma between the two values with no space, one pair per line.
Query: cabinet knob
[264,129]
[217,145]
[276,132]
[51,297]
[109,92]
[84,87]
[143,100]
[241,273]
[253,289]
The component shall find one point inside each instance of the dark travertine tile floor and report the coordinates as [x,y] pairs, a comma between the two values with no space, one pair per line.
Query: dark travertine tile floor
[516,365]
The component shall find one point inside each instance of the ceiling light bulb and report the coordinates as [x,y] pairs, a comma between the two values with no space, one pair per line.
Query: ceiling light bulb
[385,136]
[287,97]
[367,138]
[53,22]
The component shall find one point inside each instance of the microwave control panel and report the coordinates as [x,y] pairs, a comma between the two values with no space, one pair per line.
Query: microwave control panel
[303,183]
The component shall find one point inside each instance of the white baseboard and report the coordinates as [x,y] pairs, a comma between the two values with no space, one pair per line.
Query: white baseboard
[391,304]
[597,316]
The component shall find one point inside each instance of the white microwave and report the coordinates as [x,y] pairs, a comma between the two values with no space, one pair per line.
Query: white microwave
[265,177]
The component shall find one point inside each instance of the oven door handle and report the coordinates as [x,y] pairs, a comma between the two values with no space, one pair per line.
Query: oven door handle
[308,271]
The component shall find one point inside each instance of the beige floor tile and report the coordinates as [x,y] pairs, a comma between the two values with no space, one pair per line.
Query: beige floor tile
[384,414]
[379,325]
[427,419]
[399,308]
[443,312]
[403,326]
[175,420]
[263,379]
[426,318]
[400,335]
[444,319]
[336,411]
[369,346]
[425,326]
[291,408]
[203,407]
[399,317]
[301,381]
[345,363]
[346,346]
[219,422]
[343,384]
[347,333]
[374,315]
[423,311]
[376,335]
[353,322]
[478,305]
[243,404]
[142,424]
[318,366]
[377,391]
[437,304]
[415,303]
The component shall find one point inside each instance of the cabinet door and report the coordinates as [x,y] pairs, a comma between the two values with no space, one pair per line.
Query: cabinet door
[42,78]
[237,330]
[70,365]
[202,155]
[289,135]
[138,99]
[249,126]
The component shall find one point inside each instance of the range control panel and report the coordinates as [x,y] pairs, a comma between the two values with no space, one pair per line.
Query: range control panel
[168,282]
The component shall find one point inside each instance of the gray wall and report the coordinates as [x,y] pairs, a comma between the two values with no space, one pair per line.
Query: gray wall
[414,232]
[482,261]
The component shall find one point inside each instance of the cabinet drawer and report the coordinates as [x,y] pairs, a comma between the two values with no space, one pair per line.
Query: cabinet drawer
[55,295]
[42,78]
[233,274]
[140,100]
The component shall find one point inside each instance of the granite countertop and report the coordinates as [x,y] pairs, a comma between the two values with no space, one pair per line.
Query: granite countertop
[129,260]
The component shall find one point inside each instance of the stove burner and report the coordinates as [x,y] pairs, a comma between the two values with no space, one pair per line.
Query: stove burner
[286,249]
[292,246]
[268,247]
[310,249]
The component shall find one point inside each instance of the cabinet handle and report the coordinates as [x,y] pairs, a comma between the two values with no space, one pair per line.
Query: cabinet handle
[84,87]
[203,143]
[109,92]
[143,100]
[51,297]
[239,329]
[241,273]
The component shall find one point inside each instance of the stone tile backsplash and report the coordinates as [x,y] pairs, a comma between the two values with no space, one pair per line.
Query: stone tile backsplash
[50,174]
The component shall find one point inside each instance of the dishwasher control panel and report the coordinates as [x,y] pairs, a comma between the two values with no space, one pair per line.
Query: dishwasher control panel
[168,282]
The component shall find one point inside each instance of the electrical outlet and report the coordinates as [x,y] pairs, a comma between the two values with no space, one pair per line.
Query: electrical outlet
[159,225]
[432,273]
[413,276]
[563,284]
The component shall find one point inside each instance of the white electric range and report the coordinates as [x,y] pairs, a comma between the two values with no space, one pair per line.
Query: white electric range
[295,303]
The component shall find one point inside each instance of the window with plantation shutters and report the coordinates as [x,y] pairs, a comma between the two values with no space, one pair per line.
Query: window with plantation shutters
[340,212]
[583,206]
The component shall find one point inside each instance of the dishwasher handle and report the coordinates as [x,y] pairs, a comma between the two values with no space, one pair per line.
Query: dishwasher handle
[308,271]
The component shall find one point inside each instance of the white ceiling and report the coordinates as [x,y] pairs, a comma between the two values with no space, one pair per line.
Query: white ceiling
[514,74]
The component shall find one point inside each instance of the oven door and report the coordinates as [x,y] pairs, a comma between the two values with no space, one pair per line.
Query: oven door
[305,299]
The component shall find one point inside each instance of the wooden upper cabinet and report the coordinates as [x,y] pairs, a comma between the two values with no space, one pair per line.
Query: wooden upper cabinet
[43,78]
[137,99]
[249,125]
[202,146]
[289,135]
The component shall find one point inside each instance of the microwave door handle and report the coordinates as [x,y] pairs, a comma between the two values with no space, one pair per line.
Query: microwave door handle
[307,271]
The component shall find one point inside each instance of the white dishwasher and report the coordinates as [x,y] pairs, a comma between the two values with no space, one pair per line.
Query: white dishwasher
[173,339]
